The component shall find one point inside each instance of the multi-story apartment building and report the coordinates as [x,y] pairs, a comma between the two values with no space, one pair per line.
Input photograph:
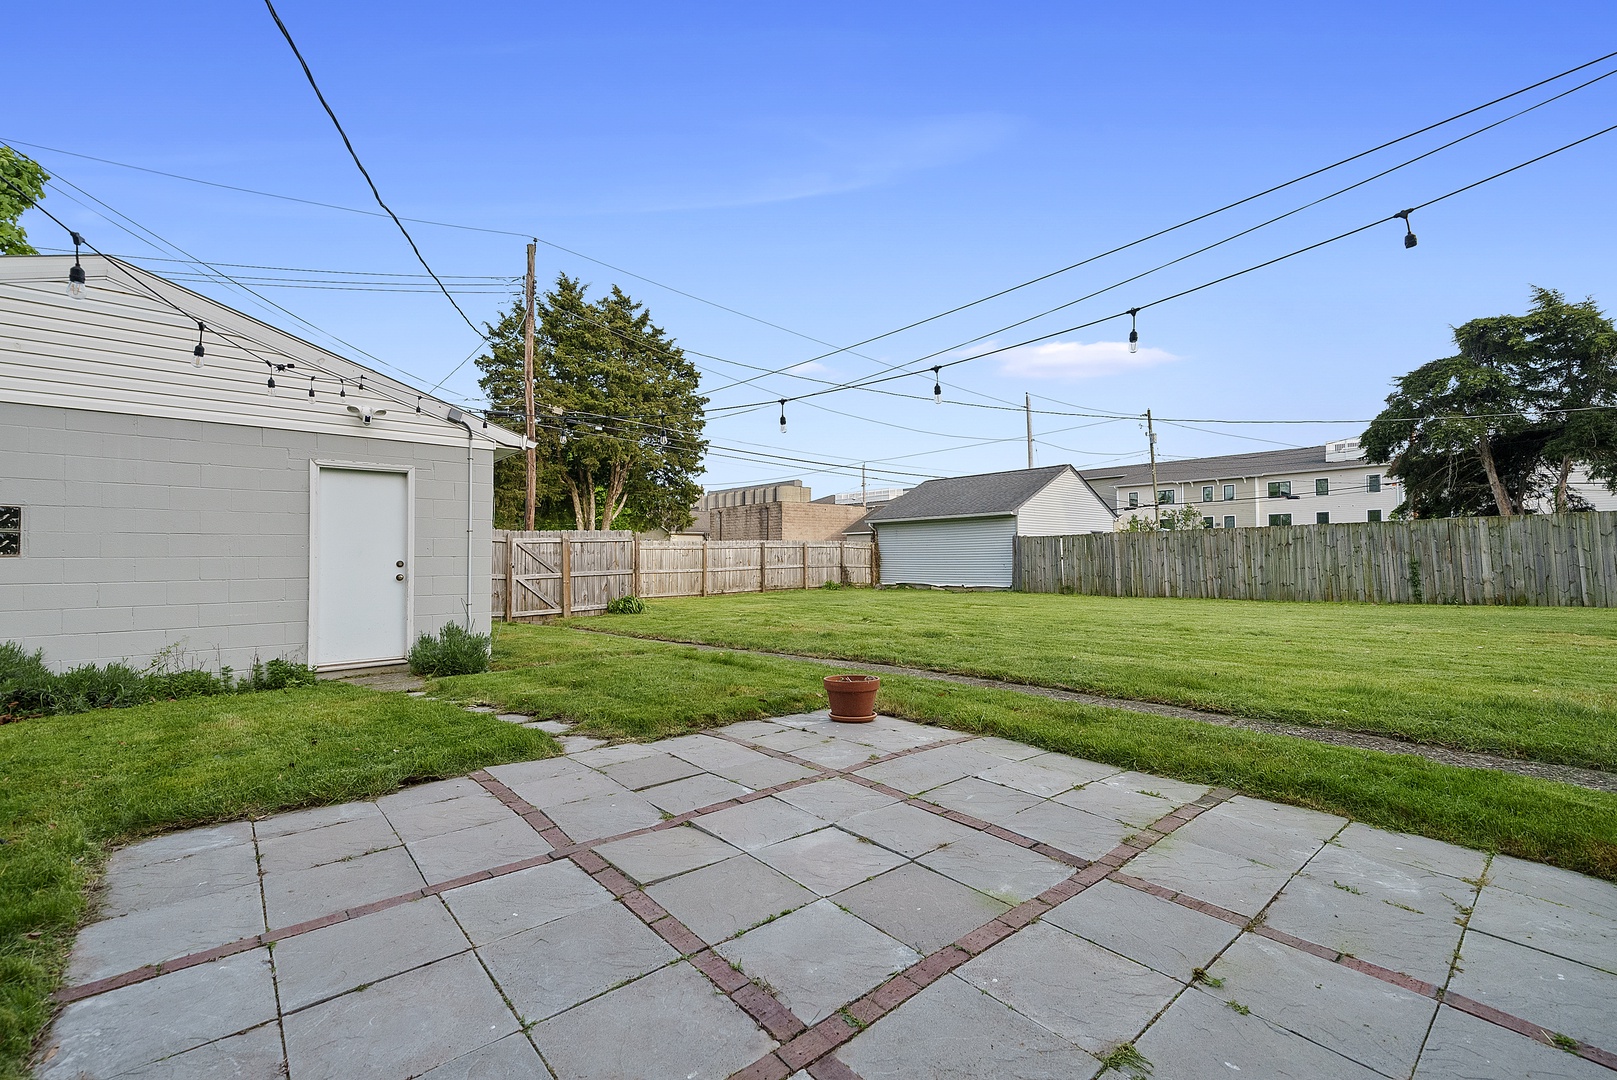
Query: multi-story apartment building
[1312,485]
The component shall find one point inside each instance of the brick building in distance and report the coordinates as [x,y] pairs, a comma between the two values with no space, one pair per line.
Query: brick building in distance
[786,511]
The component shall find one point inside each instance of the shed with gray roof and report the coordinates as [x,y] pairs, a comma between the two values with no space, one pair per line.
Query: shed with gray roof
[961,531]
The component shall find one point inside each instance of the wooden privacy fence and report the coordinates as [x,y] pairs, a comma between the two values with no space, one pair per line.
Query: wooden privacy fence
[1561,560]
[551,574]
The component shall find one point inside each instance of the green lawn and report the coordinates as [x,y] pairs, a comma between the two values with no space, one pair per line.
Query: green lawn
[70,786]
[1536,683]
[625,688]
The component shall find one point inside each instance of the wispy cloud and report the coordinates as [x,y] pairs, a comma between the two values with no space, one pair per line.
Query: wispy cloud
[807,367]
[809,158]
[1079,359]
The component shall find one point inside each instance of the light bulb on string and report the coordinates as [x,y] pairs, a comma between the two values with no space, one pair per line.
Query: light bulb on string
[1134,333]
[272,386]
[418,404]
[783,416]
[311,387]
[342,385]
[76,281]
[937,384]
[1409,233]
[199,352]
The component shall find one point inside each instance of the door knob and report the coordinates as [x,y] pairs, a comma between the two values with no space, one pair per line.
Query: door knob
[398,577]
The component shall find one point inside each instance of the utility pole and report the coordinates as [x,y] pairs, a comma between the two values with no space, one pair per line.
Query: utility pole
[864,493]
[1027,407]
[532,477]
[1156,500]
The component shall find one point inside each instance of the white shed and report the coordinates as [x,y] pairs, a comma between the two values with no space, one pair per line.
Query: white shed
[156,492]
[961,531]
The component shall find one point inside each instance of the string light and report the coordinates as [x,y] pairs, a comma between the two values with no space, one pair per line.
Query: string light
[418,404]
[199,352]
[783,416]
[311,387]
[1134,332]
[342,391]
[1409,233]
[75,276]
[937,384]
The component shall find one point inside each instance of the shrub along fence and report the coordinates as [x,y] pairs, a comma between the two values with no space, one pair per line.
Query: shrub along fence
[1560,560]
[554,574]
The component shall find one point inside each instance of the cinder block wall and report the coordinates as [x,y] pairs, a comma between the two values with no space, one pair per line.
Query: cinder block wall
[140,533]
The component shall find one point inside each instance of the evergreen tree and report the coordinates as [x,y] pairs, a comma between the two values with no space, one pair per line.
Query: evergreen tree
[619,420]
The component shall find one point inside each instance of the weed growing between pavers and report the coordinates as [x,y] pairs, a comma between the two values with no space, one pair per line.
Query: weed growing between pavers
[72,785]
[1126,1059]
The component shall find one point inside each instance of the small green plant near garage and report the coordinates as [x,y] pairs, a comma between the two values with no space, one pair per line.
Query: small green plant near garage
[626,605]
[454,651]
[28,687]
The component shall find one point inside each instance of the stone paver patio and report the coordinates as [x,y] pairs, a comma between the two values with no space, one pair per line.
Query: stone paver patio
[796,898]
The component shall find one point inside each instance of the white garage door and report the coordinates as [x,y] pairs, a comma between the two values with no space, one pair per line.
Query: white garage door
[360,589]
[962,551]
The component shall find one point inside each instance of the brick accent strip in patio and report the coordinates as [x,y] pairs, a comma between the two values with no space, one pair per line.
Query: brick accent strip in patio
[812,1048]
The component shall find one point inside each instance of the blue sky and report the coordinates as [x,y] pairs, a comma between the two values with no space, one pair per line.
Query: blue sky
[844,169]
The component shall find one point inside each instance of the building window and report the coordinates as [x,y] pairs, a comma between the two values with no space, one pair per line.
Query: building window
[1322,486]
[1280,519]
[10,530]
[1372,482]
[1207,523]
[1229,522]
[1207,493]
[1279,489]
[1322,518]
[1375,515]
[1134,498]
[1229,492]
[1165,497]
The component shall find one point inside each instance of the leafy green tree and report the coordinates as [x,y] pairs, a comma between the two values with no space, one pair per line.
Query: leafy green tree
[22,185]
[1176,520]
[619,419]
[1499,426]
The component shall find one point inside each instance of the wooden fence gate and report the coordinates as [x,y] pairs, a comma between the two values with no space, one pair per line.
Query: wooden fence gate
[541,575]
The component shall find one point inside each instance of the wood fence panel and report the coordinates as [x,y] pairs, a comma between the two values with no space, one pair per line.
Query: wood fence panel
[1561,560]
[547,574]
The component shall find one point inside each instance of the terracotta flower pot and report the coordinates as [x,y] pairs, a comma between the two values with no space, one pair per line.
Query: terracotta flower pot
[853,697]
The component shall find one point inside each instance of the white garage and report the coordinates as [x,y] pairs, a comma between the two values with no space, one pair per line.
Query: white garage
[157,491]
[961,531]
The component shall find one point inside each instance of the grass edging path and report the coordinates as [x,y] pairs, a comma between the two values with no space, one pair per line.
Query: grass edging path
[1531,683]
[73,786]
[639,689]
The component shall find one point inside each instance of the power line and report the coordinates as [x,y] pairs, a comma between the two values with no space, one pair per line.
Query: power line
[1243,232]
[1210,213]
[437,224]
[360,165]
[1400,216]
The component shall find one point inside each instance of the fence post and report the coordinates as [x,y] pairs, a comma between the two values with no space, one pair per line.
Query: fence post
[805,564]
[510,576]
[763,566]
[635,581]
[566,576]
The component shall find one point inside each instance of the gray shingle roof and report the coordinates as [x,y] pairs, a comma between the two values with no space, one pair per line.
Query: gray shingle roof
[968,496]
[1225,467]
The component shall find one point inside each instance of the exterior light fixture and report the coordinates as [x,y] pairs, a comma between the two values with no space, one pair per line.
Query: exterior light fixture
[1409,233]
[75,277]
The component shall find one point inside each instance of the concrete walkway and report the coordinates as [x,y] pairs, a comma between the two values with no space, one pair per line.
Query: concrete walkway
[797,898]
